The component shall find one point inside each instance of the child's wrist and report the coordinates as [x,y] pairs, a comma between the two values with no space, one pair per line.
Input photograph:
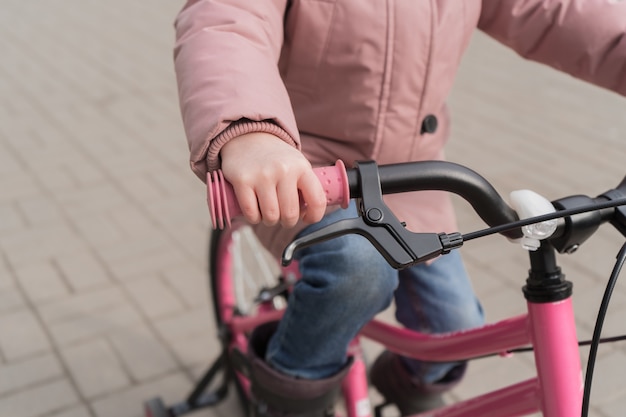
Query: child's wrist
[239,128]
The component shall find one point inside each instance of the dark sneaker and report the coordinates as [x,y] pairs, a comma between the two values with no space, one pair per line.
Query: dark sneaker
[392,379]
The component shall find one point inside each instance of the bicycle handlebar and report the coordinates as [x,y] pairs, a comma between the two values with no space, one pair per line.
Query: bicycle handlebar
[341,184]
[400,247]
[445,176]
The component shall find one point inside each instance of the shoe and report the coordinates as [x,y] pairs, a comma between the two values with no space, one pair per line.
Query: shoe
[392,379]
[278,395]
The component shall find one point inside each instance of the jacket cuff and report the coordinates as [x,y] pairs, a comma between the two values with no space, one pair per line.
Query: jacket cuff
[239,128]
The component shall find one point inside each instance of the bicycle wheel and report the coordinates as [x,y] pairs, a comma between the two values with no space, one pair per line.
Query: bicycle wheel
[244,281]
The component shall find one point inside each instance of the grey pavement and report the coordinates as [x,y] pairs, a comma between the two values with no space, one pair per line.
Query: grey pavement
[103,227]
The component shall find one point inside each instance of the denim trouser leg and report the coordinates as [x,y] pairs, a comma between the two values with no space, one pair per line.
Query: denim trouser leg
[436,298]
[345,282]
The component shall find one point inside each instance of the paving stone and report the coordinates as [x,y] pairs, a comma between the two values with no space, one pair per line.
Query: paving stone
[80,411]
[82,270]
[587,304]
[56,179]
[17,186]
[502,372]
[6,277]
[505,303]
[143,354]
[8,163]
[93,324]
[21,335]
[47,154]
[10,299]
[181,209]
[188,324]
[10,218]
[39,244]
[139,255]
[132,219]
[29,372]
[20,136]
[613,324]
[190,282]
[52,396]
[95,368]
[201,349]
[40,210]
[611,409]
[609,380]
[142,187]
[155,298]
[484,282]
[177,182]
[106,141]
[128,403]
[132,164]
[85,173]
[98,229]
[41,282]
[79,305]
[88,200]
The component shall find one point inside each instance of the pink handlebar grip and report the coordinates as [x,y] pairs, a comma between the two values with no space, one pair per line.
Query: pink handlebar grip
[223,204]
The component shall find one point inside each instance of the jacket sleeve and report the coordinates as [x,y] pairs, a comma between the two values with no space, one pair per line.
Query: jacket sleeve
[226,63]
[585,38]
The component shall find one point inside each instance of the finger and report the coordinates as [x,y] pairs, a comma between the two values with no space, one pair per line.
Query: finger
[289,202]
[313,196]
[248,203]
[268,204]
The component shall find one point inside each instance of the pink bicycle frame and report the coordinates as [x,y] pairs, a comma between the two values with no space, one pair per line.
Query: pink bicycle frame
[556,391]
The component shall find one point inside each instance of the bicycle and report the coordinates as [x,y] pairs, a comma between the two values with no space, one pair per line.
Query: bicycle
[547,328]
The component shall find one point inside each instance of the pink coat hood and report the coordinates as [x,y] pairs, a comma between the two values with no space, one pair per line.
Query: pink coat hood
[367,79]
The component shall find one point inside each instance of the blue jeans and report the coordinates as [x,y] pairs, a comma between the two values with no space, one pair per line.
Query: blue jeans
[345,283]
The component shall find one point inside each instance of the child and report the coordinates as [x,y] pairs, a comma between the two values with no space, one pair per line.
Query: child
[269,88]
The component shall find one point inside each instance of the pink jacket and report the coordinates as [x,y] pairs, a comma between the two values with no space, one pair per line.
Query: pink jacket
[367,79]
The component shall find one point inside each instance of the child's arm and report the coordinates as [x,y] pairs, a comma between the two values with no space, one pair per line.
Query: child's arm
[236,110]
[585,38]
[225,58]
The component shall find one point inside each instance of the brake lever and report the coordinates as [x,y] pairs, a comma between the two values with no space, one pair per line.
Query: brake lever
[392,247]
[400,247]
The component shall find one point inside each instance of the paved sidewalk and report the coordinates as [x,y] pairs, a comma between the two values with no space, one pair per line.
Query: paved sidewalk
[103,227]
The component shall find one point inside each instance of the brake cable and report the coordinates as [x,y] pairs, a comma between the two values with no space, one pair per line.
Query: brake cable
[621,258]
[544,217]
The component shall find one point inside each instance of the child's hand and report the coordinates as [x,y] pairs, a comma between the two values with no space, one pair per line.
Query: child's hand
[267,174]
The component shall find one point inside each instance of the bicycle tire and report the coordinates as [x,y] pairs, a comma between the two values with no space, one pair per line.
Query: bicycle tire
[231,266]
